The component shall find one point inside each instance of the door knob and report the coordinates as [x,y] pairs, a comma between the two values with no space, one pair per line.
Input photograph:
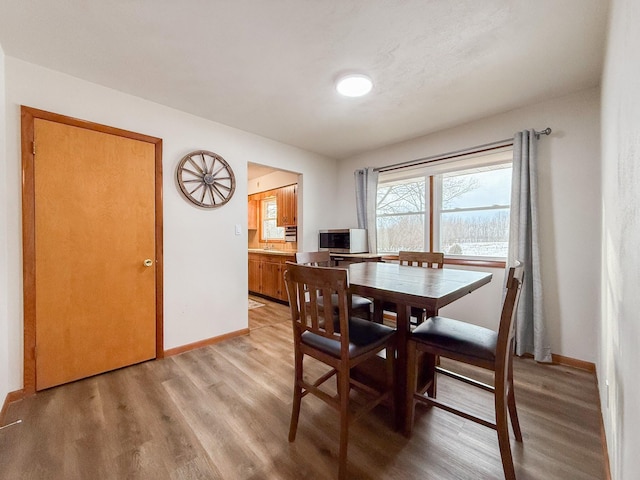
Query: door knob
[148,262]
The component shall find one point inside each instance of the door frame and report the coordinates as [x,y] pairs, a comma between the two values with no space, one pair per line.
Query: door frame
[28,115]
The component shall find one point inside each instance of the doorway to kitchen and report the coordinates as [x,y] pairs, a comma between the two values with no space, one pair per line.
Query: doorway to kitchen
[272,239]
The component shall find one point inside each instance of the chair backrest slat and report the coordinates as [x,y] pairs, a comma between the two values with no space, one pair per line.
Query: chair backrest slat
[318,259]
[422,259]
[306,284]
[310,309]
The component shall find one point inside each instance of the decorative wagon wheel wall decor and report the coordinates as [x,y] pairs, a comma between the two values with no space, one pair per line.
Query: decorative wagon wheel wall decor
[206,179]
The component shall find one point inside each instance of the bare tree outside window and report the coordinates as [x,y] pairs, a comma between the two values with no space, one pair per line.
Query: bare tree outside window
[470,217]
[401,215]
[454,186]
[473,218]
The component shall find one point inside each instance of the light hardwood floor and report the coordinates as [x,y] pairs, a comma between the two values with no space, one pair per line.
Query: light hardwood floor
[222,412]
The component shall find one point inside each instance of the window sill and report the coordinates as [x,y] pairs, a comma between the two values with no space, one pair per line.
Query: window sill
[476,263]
[390,257]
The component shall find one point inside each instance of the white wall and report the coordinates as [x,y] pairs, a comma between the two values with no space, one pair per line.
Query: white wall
[205,263]
[620,328]
[569,185]
[4,325]
[271,181]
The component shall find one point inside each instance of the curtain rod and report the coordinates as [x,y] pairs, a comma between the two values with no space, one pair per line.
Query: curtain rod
[458,153]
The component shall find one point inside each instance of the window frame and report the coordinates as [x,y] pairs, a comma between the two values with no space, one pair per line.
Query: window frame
[263,212]
[502,156]
[427,226]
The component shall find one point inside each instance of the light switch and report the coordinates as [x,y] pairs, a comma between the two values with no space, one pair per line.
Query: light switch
[238,230]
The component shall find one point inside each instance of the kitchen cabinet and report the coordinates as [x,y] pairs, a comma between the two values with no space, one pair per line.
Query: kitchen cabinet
[287,201]
[272,278]
[252,219]
[254,273]
[266,272]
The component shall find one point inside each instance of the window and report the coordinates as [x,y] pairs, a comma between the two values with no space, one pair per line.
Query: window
[270,229]
[472,212]
[401,215]
[460,208]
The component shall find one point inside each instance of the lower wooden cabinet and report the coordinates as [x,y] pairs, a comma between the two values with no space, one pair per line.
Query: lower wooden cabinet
[272,283]
[266,274]
[254,274]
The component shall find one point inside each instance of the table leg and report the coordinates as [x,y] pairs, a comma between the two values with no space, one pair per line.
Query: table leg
[378,313]
[403,328]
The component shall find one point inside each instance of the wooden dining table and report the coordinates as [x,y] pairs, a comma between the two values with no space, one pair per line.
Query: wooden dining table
[410,286]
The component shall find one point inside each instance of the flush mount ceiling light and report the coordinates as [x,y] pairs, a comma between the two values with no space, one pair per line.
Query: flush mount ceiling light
[354,85]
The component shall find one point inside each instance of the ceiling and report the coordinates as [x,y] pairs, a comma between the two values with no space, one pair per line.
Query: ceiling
[269,67]
[255,170]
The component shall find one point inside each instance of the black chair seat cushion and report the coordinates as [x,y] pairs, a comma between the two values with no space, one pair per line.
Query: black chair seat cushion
[457,337]
[364,336]
[357,302]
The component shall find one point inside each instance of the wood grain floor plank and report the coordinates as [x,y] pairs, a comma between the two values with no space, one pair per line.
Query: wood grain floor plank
[222,412]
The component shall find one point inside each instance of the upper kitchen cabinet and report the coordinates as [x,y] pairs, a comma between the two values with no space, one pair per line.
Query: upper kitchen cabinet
[252,220]
[287,201]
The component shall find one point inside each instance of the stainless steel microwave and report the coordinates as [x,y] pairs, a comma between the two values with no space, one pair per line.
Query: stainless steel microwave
[346,240]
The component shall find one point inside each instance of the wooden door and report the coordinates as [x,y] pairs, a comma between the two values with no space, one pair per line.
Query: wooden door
[94,253]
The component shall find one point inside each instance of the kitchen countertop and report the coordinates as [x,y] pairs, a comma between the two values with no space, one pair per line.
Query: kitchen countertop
[272,252]
[361,256]
[357,255]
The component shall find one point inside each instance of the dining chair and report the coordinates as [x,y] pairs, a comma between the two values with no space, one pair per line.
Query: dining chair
[473,345]
[417,259]
[341,342]
[360,306]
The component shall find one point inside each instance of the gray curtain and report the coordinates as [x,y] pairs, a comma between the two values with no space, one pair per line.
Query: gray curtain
[531,336]
[366,192]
